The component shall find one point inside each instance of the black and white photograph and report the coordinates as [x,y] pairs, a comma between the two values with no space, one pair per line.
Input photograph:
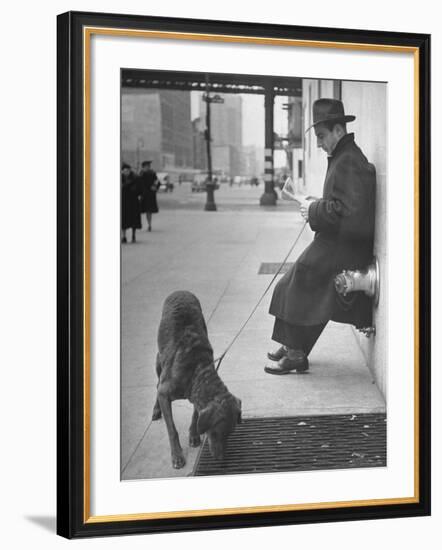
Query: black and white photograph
[218,310]
[254,293]
[243,275]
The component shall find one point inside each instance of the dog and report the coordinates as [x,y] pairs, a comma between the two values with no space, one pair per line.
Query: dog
[186,370]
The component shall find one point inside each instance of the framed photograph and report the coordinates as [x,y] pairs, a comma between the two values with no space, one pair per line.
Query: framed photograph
[243,274]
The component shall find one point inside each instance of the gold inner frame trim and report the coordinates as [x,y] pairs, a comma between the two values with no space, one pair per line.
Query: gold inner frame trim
[416,275]
[244,510]
[86,284]
[87,33]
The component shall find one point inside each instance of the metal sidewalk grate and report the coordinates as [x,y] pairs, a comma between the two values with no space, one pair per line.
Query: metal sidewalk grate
[267,268]
[261,445]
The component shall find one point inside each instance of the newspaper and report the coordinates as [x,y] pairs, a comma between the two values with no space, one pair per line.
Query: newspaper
[290,193]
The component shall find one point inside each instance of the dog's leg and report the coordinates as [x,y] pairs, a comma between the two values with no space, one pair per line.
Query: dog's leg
[156,413]
[194,436]
[178,460]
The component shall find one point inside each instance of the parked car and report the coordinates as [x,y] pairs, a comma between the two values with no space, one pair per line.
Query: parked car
[166,184]
[199,182]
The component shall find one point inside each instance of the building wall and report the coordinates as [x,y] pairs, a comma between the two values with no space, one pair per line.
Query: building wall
[226,132]
[140,127]
[315,161]
[225,120]
[252,163]
[222,158]
[227,159]
[177,126]
[362,99]
[156,125]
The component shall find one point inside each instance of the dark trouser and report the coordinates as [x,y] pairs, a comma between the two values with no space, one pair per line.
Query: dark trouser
[296,336]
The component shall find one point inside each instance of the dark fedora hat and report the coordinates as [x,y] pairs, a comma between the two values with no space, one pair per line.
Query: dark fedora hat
[329,110]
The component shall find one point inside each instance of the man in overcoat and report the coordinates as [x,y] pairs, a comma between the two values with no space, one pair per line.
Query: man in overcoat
[305,299]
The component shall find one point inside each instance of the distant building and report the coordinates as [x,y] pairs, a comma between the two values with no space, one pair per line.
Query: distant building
[226,120]
[226,132]
[252,160]
[156,125]
[227,159]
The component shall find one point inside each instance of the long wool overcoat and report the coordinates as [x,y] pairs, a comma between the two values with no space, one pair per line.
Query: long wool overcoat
[130,205]
[343,221]
[149,184]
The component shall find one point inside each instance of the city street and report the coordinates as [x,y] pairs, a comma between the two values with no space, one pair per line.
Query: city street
[228,198]
[217,256]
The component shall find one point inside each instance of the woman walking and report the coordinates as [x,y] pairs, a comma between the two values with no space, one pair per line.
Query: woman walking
[149,184]
[130,205]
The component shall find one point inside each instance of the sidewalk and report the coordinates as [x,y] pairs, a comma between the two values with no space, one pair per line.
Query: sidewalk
[217,256]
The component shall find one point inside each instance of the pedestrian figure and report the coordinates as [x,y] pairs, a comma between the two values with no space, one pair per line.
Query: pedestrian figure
[305,299]
[149,185]
[130,205]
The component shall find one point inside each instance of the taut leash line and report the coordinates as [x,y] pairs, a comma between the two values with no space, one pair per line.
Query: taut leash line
[278,271]
[221,357]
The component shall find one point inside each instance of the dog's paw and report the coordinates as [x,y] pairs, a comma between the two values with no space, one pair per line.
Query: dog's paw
[178,461]
[194,440]
[156,413]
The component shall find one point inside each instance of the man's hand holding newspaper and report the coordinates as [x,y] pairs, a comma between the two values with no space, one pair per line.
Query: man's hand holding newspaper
[289,193]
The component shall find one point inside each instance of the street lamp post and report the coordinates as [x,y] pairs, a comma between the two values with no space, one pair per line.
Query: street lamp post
[210,185]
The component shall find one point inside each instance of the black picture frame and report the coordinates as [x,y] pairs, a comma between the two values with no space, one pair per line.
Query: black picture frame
[73,520]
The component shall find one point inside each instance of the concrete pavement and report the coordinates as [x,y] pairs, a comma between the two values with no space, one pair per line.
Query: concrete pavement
[217,256]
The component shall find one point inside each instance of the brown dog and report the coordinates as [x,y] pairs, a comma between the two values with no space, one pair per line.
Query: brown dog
[186,370]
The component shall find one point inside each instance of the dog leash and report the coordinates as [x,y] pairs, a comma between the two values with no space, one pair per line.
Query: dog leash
[278,271]
[221,357]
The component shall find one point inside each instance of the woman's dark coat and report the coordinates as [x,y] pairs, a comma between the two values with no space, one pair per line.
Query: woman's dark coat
[343,221]
[130,205]
[149,184]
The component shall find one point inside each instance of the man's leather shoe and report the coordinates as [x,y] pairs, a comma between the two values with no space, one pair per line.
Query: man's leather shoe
[278,354]
[286,365]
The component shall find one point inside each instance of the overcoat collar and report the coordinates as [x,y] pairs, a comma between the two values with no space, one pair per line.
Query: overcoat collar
[342,144]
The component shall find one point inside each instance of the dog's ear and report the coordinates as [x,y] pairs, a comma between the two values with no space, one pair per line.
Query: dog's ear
[205,419]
